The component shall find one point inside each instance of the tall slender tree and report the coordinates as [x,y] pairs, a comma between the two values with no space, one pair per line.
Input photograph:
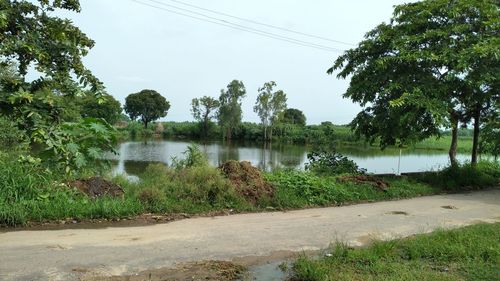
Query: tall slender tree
[269,105]
[204,109]
[230,113]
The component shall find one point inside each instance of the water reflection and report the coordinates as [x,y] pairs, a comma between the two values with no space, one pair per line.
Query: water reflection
[134,156]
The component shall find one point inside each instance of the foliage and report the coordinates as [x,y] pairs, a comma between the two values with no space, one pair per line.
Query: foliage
[490,138]
[469,253]
[107,107]
[203,110]
[32,36]
[190,130]
[194,157]
[74,146]
[293,116]
[298,189]
[415,75]
[147,105]
[49,49]
[230,113]
[192,189]
[30,192]
[331,163]
[466,176]
[269,106]
[11,137]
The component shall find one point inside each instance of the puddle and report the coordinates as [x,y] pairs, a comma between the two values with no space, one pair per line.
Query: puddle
[397,213]
[269,271]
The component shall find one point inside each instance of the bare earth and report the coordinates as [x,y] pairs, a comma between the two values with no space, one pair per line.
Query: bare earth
[87,254]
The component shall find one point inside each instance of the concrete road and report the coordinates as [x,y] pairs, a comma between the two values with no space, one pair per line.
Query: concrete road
[75,254]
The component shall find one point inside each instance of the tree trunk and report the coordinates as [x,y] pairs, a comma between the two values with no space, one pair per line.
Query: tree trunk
[265,133]
[228,134]
[454,138]
[205,129]
[475,143]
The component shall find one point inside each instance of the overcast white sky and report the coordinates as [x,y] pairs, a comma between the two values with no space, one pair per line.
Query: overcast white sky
[140,47]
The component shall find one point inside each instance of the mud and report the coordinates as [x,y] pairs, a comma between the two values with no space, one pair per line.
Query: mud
[204,270]
[247,179]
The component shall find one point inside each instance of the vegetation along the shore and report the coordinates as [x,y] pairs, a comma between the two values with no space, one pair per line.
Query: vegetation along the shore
[468,253]
[32,193]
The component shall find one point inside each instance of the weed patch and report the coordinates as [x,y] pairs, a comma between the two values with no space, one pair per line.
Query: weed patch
[469,253]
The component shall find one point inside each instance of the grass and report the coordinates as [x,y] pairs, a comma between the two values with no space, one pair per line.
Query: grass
[464,144]
[469,253]
[29,193]
[299,189]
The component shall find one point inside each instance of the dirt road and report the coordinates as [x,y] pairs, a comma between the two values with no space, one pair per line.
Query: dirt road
[74,254]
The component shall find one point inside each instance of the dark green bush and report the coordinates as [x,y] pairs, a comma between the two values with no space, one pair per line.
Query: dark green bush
[11,137]
[331,163]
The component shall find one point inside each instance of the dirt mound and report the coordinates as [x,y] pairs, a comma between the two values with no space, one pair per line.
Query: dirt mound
[373,181]
[247,179]
[97,187]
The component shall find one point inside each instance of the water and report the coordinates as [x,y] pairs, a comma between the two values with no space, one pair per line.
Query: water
[134,156]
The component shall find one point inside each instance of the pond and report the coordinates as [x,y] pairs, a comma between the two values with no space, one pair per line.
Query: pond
[134,156]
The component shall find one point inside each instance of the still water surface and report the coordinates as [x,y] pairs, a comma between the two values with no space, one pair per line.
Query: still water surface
[134,156]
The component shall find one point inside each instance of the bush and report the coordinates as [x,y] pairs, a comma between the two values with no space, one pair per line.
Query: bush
[153,199]
[22,180]
[465,176]
[331,163]
[194,157]
[11,137]
[191,189]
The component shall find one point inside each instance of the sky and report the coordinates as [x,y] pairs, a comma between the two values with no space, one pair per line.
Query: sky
[142,47]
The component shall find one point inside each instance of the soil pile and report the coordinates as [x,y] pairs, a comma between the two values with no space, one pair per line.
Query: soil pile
[247,179]
[360,179]
[97,187]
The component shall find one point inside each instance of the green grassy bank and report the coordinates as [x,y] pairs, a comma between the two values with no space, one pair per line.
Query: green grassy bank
[469,253]
[31,193]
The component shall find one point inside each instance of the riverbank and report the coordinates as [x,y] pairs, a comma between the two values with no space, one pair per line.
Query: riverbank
[31,196]
[73,254]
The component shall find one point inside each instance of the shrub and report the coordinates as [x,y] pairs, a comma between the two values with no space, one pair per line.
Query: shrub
[11,137]
[194,157]
[465,176]
[331,163]
[153,199]
[191,189]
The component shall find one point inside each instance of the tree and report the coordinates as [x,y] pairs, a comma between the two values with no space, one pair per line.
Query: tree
[269,105]
[203,110]
[435,64]
[33,38]
[230,113]
[293,116]
[107,108]
[148,105]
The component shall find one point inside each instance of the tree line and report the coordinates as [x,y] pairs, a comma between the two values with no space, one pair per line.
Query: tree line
[270,106]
